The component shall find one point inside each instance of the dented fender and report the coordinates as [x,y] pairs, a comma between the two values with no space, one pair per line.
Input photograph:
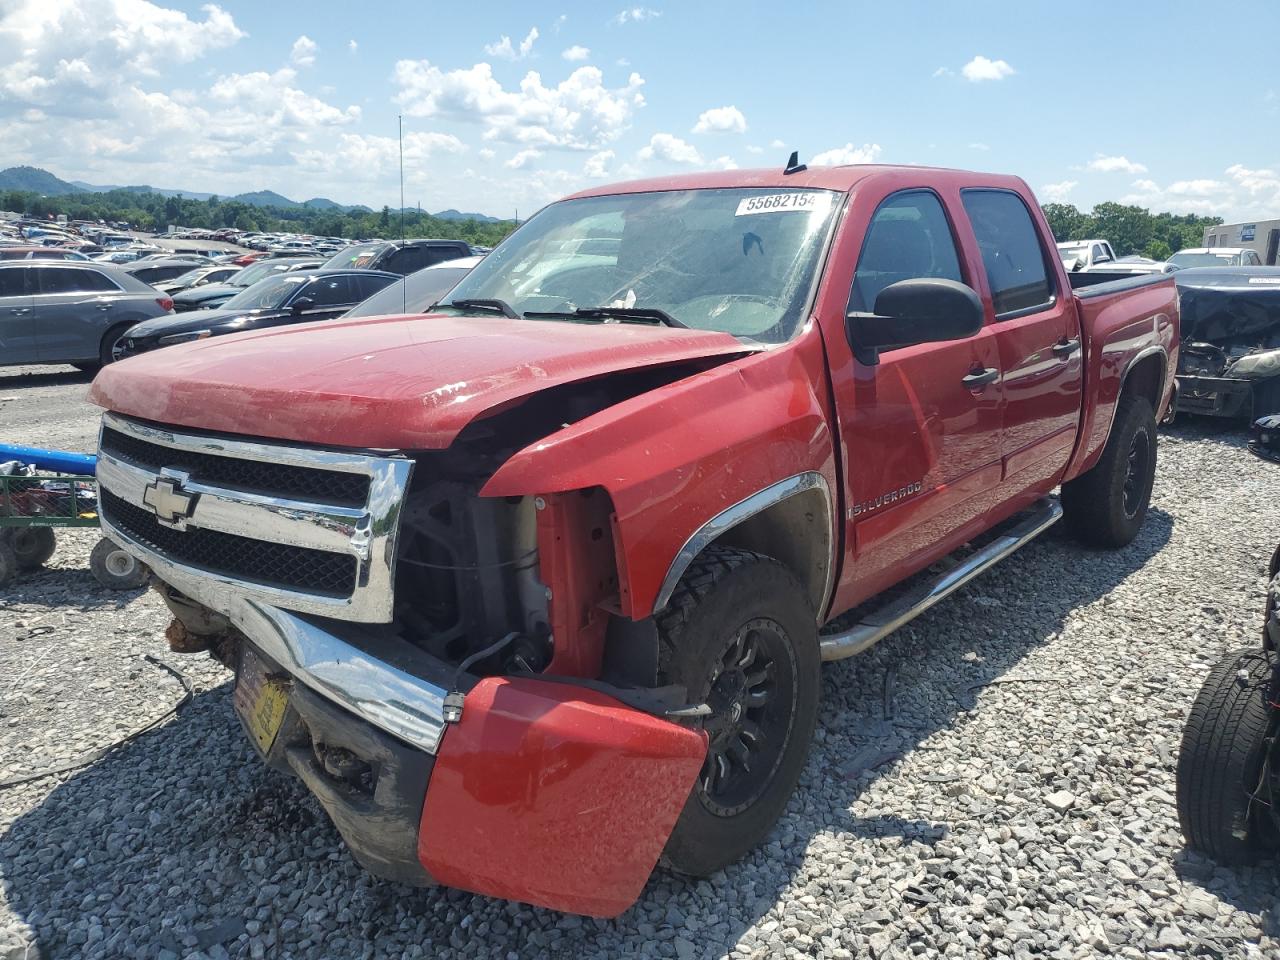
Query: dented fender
[676,457]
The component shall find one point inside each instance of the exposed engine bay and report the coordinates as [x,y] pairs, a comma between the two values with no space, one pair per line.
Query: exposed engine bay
[1230,354]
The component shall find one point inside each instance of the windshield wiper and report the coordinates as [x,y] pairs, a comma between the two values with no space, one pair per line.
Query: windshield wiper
[492,306]
[630,314]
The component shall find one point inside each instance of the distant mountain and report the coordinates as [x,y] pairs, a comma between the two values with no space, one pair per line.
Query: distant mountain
[452,214]
[141,188]
[265,198]
[35,180]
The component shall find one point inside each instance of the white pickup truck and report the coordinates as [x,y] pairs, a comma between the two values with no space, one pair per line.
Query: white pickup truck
[1079,256]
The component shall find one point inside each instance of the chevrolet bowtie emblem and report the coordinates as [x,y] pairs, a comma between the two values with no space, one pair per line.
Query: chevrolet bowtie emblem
[167,500]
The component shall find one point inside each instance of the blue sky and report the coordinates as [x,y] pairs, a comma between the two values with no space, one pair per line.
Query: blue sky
[507,106]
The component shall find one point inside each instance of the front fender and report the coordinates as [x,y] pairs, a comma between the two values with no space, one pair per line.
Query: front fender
[676,457]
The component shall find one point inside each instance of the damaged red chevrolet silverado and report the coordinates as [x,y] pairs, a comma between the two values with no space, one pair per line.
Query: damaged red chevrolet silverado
[532,592]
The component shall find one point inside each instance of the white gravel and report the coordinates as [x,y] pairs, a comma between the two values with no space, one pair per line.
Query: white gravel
[995,779]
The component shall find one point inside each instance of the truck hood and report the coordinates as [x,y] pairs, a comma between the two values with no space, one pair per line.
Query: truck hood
[382,382]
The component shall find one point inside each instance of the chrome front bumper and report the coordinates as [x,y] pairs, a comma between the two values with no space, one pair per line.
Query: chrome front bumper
[350,661]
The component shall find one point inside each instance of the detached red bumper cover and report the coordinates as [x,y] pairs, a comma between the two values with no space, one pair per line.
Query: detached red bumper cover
[555,795]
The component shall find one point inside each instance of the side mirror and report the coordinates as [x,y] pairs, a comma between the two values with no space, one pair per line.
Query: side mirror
[301,304]
[924,310]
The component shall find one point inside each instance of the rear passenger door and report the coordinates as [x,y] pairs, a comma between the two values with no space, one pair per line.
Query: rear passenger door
[73,309]
[17,324]
[1038,336]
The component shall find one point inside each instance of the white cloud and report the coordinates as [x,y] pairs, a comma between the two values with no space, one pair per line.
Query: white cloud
[52,53]
[776,144]
[840,156]
[578,113]
[1197,188]
[304,51]
[636,15]
[576,53]
[724,163]
[944,72]
[352,46]
[597,164]
[523,158]
[664,146]
[980,68]
[1058,192]
[755,149]
[1255,182]
[504,49]
[981,147]
[488,153]
[1103,164]
[721,120]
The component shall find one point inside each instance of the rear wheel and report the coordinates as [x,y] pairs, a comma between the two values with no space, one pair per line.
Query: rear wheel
[32,546]
[1105,506]
[739,635]
[112,345]
[1223,769]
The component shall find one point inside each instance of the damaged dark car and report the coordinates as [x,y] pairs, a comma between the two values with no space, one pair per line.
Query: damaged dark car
[1229,364]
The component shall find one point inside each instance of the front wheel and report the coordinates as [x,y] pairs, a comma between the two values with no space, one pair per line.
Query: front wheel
[739,635]
[1225,782]
[116,569]
[1105,506]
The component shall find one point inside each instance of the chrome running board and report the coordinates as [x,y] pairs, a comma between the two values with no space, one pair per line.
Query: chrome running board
[880,623]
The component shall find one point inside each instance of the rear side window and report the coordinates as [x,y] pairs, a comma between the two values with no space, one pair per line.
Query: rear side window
[908,238]
[50,280]
[408,260]
[1011,251]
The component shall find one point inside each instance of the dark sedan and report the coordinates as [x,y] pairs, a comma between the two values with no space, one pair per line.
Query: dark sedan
[276,301]
[213,295]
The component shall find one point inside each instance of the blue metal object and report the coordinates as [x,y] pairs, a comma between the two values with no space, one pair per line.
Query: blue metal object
[56,460]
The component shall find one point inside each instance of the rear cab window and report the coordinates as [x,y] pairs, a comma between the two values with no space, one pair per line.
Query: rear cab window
[1014,259]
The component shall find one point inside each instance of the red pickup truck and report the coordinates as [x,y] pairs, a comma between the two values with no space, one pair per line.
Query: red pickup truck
[533,591]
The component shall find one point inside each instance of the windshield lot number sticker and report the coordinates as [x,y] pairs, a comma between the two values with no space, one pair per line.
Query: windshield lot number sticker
[778,202]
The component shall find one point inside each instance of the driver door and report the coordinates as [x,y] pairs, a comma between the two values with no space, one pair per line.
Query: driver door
[921,428]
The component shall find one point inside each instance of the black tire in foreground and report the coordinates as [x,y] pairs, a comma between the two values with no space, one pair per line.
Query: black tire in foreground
[116,569]
[1221,762]
[1105,506]
[739,634]
[33,546]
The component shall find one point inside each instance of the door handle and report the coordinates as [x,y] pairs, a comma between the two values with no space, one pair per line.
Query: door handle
[1065,348]
[980,378]
[20,311]
[104,306]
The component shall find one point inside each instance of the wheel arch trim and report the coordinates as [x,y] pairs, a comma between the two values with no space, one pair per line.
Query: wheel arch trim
[762,500]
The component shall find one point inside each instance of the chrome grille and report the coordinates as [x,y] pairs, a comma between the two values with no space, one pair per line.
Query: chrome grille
[307,530]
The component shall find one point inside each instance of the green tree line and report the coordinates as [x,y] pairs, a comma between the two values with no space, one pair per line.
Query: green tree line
[1129,229]
[153,211]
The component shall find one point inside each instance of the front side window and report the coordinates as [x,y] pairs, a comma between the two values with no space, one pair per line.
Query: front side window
[908,238]
[328,291]
[740,261]
[12,282]
[1011,251]
[52,280]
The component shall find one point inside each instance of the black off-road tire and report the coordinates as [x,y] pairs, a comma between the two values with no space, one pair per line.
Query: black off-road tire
[116,569]
[1105,507]
[729,602]
[33,546]
[1220,763]
[105,354]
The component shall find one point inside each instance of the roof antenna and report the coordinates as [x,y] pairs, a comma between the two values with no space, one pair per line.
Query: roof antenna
[794,165]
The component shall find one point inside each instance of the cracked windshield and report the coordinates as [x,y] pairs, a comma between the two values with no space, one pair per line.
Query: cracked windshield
[737,261]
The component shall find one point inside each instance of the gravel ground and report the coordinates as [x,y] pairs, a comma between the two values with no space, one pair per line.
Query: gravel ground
[995,779]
